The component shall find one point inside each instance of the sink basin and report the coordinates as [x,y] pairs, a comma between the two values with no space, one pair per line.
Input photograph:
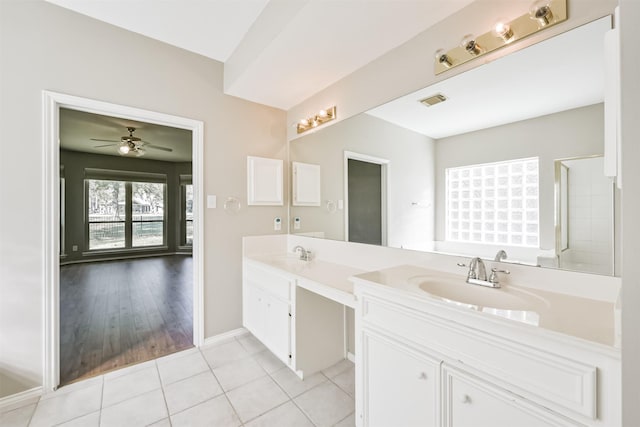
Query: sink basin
[481,298]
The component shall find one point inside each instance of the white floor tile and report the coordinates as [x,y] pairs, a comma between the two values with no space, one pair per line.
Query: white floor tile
[347,381]
[70,388]
[61,407]
[287,415]
[127,386]
[215,412]
[129,369]
[191,391]
[251,344]
[241,372]
[18,417]
[256,398]
[293,385]
[162,423]
[139,411]
[268,361]
[90,420]
[325,404]
[221,354]
[179,368]
[350,421]
[338,368]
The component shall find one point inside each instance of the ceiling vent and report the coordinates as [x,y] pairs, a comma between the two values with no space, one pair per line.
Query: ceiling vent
[433,100]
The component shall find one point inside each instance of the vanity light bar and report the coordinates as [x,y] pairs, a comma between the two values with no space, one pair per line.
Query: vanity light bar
[321,118]
[542,14]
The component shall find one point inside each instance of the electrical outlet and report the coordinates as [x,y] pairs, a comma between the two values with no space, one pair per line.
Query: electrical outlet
[74,248]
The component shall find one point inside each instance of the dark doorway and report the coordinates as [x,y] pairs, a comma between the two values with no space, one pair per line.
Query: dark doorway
[365,202]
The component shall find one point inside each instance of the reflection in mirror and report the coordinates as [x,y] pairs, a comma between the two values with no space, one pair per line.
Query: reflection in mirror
[475,174]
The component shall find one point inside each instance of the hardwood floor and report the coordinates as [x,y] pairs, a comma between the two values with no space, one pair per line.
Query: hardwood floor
[116,313]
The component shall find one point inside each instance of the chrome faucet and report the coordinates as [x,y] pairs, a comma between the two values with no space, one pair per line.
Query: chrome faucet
[502,254]
[477,270]
[477,274]
[305,255]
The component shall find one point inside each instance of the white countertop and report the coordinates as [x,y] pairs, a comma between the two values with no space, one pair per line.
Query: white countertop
[324,278]
[588,319]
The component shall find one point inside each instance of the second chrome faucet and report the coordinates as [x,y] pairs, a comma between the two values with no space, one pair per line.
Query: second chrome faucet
[477,274]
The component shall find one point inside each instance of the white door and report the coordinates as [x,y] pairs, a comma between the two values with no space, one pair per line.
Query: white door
[400,385]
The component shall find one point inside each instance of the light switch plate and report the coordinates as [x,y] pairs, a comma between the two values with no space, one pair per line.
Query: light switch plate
[212,201]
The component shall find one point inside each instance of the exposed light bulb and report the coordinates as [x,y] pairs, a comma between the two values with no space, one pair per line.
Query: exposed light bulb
[468,42]
[541,11]
[304,122]
[322,113]
[503,31]
[442,58]
[124,149]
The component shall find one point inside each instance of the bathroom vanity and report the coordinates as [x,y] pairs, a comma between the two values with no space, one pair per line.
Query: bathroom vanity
[429,353]
[432,350]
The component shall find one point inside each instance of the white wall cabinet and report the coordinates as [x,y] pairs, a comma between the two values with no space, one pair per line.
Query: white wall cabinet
[264,181]
[424,364]
[306,184]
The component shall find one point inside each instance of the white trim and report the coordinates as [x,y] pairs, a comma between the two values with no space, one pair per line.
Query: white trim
[384,166]
[225,336]
[52,102]
[18,400]
[351,357]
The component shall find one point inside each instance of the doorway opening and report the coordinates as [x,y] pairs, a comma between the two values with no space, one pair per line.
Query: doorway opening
[135,226]
[365,180]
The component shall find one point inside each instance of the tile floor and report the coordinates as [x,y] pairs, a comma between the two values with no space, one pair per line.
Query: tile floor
[234,383]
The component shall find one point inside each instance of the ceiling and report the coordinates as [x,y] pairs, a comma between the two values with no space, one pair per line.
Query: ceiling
[78,127]
[298,46]
[561,73]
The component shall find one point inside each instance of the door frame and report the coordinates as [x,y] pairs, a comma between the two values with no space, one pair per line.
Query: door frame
[52,102]
[384,176]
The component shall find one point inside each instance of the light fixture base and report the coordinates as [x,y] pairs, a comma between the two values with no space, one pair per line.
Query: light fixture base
[521,27]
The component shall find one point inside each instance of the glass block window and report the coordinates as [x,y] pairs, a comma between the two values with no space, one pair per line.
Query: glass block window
[495,203]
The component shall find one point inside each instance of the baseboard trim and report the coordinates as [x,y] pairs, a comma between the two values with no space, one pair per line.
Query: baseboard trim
[217,339]
[351,357]
[18,400]
[121,258]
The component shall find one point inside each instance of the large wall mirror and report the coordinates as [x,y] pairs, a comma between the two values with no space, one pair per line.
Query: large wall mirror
[506,163]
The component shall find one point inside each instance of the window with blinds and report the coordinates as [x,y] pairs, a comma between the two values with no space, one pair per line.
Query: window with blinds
[494,203]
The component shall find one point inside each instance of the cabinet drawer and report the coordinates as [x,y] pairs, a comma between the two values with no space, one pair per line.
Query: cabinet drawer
[275,284]
[471,402]
[552,380]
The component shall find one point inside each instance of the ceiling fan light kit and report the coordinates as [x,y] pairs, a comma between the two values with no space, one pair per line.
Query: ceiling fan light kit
[130,145]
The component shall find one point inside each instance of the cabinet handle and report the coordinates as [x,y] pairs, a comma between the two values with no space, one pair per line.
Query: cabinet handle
[466,399]
[423,376]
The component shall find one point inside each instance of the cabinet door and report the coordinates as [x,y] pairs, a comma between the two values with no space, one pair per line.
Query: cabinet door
[278,326]
[469,401]
[254,310]
[399,384]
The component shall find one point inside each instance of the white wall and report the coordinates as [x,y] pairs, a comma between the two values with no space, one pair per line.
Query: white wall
[630,34]
[410,177]
[573,133]
[43,47]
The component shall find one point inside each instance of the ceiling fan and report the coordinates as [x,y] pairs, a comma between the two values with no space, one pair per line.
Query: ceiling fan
[131,144]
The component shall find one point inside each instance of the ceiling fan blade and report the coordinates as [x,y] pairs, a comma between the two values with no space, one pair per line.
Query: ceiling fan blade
[155,147]
[106,145]
[104,140]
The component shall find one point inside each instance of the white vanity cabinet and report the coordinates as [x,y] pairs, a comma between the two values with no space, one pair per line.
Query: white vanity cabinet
[420,362]
[267,309]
